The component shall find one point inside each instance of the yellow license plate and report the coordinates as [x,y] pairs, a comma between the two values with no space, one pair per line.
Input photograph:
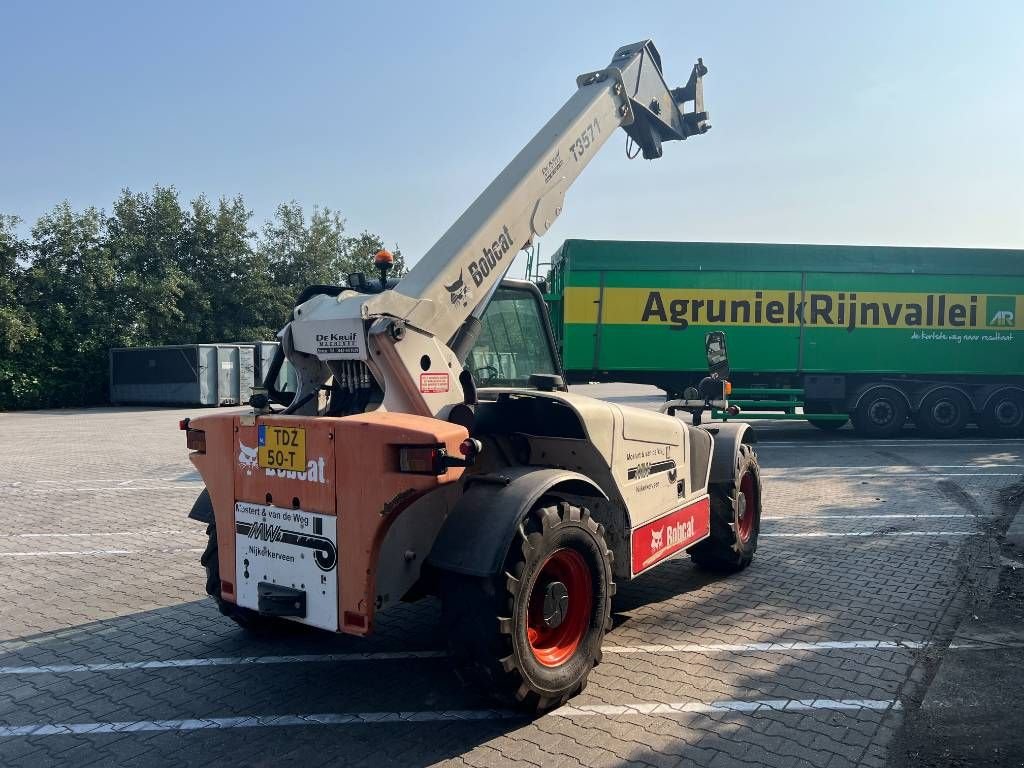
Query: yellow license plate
[282,448]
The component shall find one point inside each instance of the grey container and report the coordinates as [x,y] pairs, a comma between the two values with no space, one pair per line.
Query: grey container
[188,374]
[263,357]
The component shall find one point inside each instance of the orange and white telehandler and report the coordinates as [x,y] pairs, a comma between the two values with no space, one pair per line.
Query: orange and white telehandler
[432,448]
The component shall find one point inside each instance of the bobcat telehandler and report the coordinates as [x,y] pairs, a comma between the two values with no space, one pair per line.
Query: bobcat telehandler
[431,447]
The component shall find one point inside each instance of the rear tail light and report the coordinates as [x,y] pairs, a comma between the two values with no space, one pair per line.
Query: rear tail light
[728,387]
[195,439]
[422,459]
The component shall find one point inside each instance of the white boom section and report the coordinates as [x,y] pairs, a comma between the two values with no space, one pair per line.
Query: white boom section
[437,295]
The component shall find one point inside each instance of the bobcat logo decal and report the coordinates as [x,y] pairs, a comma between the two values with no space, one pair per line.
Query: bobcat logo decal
[657,539]
[247,458]
[458,291]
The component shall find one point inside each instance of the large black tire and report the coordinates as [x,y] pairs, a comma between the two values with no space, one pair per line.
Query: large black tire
[826,425]
[829,425]
[531,633]
[944,413]
[881,412]
[735,519]
[244,617]
[1003,415]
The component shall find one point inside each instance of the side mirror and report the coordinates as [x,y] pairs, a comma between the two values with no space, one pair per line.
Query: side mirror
[718,355]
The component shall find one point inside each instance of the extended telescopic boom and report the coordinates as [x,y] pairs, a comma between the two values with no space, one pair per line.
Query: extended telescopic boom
[444,287]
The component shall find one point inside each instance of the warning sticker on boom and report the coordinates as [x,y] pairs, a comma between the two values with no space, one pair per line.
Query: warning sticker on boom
[433,383]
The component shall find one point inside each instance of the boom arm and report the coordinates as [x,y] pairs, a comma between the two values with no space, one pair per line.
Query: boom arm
[446,284]
[528,195]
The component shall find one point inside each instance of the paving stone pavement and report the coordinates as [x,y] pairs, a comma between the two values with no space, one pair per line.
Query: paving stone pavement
[864,541]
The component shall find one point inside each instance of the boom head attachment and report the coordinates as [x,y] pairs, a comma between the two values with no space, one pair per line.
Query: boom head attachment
[654,112]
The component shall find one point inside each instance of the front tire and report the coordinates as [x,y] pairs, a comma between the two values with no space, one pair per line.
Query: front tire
[531,633]
[735,519]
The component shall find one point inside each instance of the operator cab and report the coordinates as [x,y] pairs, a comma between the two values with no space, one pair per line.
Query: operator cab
[512,346]
[515,342]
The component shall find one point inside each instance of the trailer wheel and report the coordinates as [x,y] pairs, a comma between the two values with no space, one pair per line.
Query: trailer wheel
[243,617]
[943,413]
[735,519]
[826,425]
[1003,415]
[532,633]
[881,412]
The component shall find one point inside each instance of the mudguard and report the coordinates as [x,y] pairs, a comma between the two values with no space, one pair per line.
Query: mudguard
[729,436]
[476,534]
[202,510]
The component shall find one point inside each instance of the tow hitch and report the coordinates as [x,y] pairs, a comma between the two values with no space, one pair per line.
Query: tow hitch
[276,600]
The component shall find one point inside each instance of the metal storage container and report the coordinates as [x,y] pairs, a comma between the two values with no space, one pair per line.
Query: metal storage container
[263,356]
[188,374]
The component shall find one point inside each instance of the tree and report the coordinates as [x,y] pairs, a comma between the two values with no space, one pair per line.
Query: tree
[153,273]
[71,293]
[144,237]
[319,252]
[230,296]
[360,253]
[17,329]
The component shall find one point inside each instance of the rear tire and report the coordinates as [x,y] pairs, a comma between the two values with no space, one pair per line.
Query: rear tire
[881,412]
[244,617]
[531,633]
[735,519]
[944,413]
[1003,415]
[826,425]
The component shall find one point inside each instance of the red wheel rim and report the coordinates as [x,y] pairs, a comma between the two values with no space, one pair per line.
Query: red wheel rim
[745,523]
[554,645]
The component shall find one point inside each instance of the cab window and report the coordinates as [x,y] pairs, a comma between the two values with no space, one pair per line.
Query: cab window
[513,342]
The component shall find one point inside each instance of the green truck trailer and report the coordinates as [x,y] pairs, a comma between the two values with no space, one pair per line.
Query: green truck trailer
[830,333]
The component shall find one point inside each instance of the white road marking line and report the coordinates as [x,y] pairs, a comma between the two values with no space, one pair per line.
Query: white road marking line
[99,552]
[894,475]
[230,661]
[826,516]
[111,489]
[118,481]
[646,708]
[697,707]
[869,533]
[783,647]
[887,467]
[827,645]
[995,444]
[239,661]
[195,530]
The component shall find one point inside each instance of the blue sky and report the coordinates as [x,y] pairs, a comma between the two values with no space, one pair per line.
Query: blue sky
[868,123]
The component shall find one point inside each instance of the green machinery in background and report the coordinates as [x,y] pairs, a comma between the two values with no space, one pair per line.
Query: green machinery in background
[873,334]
